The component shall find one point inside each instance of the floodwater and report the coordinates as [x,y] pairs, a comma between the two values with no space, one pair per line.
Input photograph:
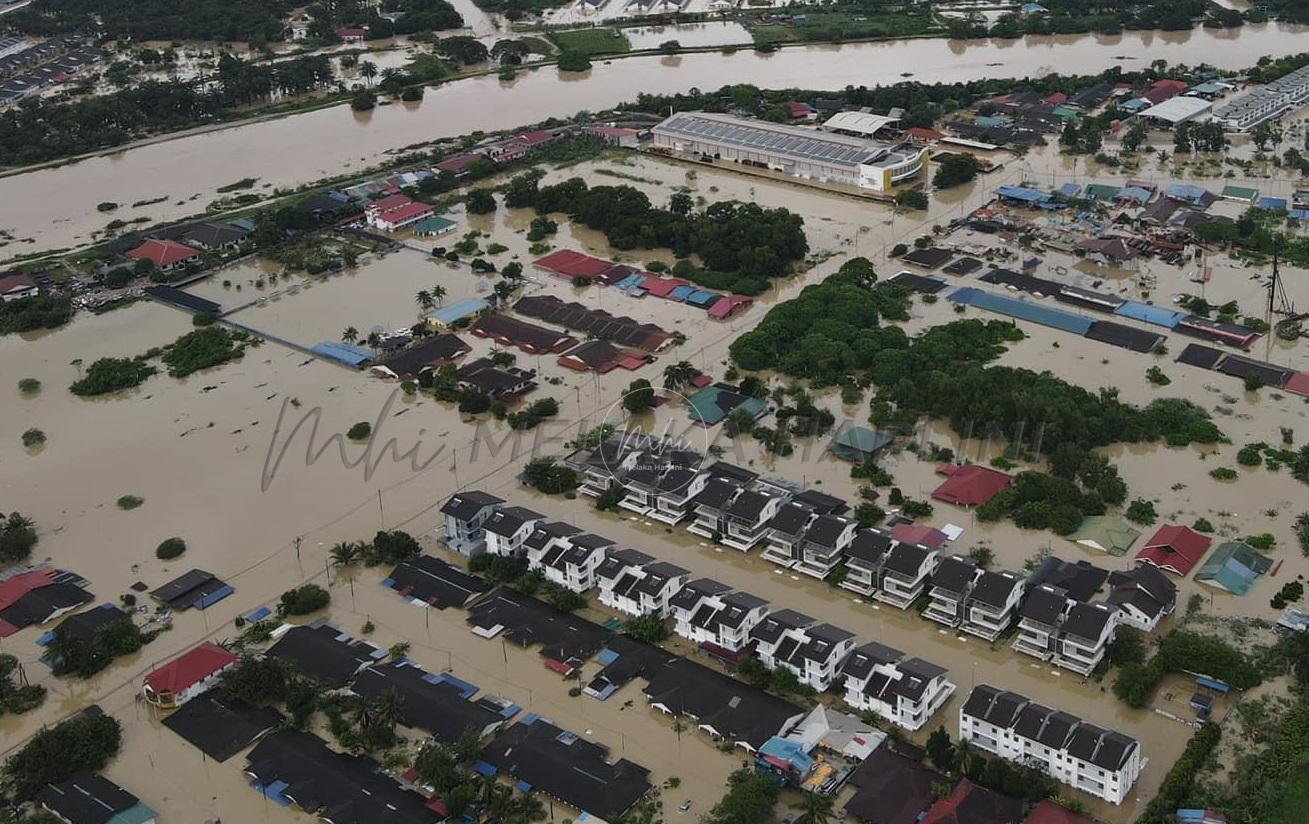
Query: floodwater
[59,203]
[203,454]
[689,35]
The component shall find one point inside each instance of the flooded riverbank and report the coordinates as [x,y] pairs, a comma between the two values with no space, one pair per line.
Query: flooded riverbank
[58,204]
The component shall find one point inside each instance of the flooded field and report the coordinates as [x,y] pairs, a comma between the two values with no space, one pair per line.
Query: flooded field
[60,202]
[204,454]
[689,35]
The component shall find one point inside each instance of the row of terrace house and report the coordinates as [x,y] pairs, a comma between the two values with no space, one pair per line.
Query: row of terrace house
[888,570]
[716,617]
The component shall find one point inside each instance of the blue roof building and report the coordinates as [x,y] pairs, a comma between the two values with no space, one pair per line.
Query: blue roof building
[457,311]
[340,352]
[1156,315]
[1234,566]
[1023,310]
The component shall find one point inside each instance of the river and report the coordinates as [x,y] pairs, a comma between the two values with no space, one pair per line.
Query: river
[55,208]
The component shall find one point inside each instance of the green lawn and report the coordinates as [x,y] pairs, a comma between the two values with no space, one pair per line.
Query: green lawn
[823,24]
[591,41]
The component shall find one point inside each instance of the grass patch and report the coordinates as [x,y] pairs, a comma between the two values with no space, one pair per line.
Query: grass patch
[1295,800]
[591,41]
[823,25]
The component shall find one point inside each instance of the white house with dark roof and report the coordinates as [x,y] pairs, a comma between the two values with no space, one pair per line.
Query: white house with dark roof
[863,561]
[565,555]
[905,691]
[606,465]
[786,533]
[644,477]
[813,652]
[1144,596]
[710,614]
[636,584]
[1086,757]
[508,528]
[951,583]
[466,513]
[824,545]
[746,517]
[1068,633]
[905,572]
[993,603]
[673,494]
[710,506]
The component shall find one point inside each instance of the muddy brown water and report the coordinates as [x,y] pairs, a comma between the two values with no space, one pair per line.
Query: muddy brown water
[197,451]
[58,205]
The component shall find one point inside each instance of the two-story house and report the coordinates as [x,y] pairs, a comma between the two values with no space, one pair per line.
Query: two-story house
[905,691]
[993,603]
[1068,633]
[570,561]
[710,506]
[1103,763]
[824,545]
[465,515]
[1144,596]
[746,517]
[674,492]
[786,533]
[636,584]
[905,571]
[547,540]
[863,561]
[951,583]
[642,481]
[813,652]
[508,529]
[708,613]
[606,465]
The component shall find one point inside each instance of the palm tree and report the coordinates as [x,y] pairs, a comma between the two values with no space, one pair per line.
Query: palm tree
[424,300]
[965,757]
[390,709]
[350,335]
[679,374]
[346,553]
[438,293]
[388,74]
[374,340]
[817,809]
[398,650]
[503,291]
[368,70]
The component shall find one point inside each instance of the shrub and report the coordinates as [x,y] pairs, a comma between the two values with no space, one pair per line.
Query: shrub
[360,431]
[303,600]
[29,386]
[170,548]
[33,437]
[86,741]
[1202,525]
[1141,511]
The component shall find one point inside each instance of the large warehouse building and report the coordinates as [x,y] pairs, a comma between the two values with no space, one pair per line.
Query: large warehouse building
[808,154]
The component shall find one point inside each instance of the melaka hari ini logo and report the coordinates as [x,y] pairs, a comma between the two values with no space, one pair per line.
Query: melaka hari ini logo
[676,442]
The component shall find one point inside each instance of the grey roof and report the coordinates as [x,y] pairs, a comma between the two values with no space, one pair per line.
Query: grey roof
[1105,749]
[693,592]
[995,706]
[749,505]
[1080,580]
[1087,621]
[736,606]
[676,479]
[717,492]
[547,532]
[821,502]
[791,519]
[826,529]
[954,574]
[723,469]
[804,145]
[589,540]
[868,547]
[618,560]
[507,521]
[867,656]
[994,588]
[1045,725]
[906,559]
[824,640]
[772,627]
[466,505]
[1045,604]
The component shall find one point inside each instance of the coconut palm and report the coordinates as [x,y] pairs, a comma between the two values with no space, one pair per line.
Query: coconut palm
[816,809]
[679,374]
[438,293]
[398,650]
[374,340]
[424,300]
[503,291]
[368,70]
[346,553]
[350,335]
[390,709]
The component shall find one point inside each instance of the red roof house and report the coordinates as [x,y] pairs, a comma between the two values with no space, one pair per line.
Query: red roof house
[351,34]
[1176,549]
[458,164]
[536,138]
[187,676]
[971,804]
[921,535]
[729,305]
[17,285]
[970,484]
[661,287]
[569,264]
[924,135]
[165,254]
[1298,383]
[797,109]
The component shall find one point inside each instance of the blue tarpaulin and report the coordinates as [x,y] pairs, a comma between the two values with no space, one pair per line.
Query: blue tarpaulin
[681,292]
[1022,193]
[1211,684]
[1275,203]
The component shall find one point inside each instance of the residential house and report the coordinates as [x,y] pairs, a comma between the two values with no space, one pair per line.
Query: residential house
[824,544]
[187,676]
[605,466]
[1175,549]
[786,533]
[507,529]
[566,556]
[674,492]
[893,786]
[636,584]
[813,652]
[87,798]
[710,506]
[905,571]
[1144,596]
[395,212]
[1069,633]
[165,254]
[969,803]
[710,614]
[351,34]
[16,286]
[905,691]
[1094,760]
[993,603]
[466,514]
[500,384]
[746,516]
[1038,625]
[642,483]
[1234,566]
[952,581]
[214,236]
[863,561]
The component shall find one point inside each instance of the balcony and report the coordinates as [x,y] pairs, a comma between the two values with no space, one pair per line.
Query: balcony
[1034,642]
[668,510]
[638,501]
[595,483]
[986,623]
[705,524]
[898,592]
[779,555]
[743,536]
[944,608]
[859,580]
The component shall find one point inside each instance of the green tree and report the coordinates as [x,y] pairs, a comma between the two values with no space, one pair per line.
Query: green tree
[639,396]
[648,628]
[480,202]
[955,170]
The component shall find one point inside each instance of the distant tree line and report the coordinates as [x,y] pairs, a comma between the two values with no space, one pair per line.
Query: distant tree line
[155,19]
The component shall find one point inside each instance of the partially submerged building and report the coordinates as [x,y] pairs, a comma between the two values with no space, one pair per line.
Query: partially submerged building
[905,691]
[812,652]
[717,618]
